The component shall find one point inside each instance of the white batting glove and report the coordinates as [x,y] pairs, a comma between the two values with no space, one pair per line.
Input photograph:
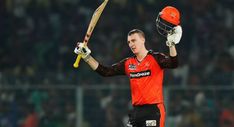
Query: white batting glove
[82,50]
[174,36]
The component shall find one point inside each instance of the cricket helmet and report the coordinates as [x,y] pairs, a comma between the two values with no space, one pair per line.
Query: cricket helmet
[168,18]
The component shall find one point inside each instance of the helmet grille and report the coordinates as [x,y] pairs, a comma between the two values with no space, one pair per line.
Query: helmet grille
[163,27]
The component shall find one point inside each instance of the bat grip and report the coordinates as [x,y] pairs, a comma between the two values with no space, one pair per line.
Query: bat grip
[76,64]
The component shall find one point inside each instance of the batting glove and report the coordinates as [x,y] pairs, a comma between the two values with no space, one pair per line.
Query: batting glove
[174,36]
[82,50]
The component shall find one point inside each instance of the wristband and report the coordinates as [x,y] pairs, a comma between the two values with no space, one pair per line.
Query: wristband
[86,59]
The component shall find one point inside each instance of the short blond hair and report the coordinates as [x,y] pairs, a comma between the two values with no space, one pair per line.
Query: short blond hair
[140,32]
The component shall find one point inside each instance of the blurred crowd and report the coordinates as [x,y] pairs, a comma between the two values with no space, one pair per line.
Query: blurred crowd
[38,38]
[201,108]
[55,107]
[37,108]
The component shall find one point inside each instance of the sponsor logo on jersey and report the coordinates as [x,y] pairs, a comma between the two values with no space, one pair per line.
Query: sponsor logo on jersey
[132,67]
[140,74]
[150,123]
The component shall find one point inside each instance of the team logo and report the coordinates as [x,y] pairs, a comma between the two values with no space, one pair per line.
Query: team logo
[140,74]
[132,67]
[150,123]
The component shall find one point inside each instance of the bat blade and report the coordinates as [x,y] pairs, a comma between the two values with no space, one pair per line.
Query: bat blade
[94,20]
[95,17]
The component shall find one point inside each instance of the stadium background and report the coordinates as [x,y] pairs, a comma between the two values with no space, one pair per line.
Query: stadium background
[38,82]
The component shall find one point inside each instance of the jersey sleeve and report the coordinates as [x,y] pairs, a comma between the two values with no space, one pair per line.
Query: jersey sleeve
[115,69]
[165,61]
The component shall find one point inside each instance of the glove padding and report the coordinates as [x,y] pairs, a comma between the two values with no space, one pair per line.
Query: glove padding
[174,36]
[82,50]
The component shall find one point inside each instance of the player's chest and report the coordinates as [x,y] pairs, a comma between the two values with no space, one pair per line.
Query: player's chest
[138,69]
[136,66]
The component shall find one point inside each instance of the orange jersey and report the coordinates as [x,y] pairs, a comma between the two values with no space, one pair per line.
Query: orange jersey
[146,77]
[145,80]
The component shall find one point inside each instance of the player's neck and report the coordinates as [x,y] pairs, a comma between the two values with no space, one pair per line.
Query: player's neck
[141,55]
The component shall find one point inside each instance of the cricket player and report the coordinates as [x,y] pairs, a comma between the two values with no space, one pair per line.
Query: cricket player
[145,69]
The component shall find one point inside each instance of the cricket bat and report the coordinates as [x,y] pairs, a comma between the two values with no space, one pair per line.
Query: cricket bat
[90,29]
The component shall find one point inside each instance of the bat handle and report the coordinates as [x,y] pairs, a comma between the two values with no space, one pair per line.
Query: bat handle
[76,64]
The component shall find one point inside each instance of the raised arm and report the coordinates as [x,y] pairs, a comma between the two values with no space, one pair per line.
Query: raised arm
[115,69]
[173,38]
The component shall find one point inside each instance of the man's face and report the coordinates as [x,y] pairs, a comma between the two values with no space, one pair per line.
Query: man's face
[136,42]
